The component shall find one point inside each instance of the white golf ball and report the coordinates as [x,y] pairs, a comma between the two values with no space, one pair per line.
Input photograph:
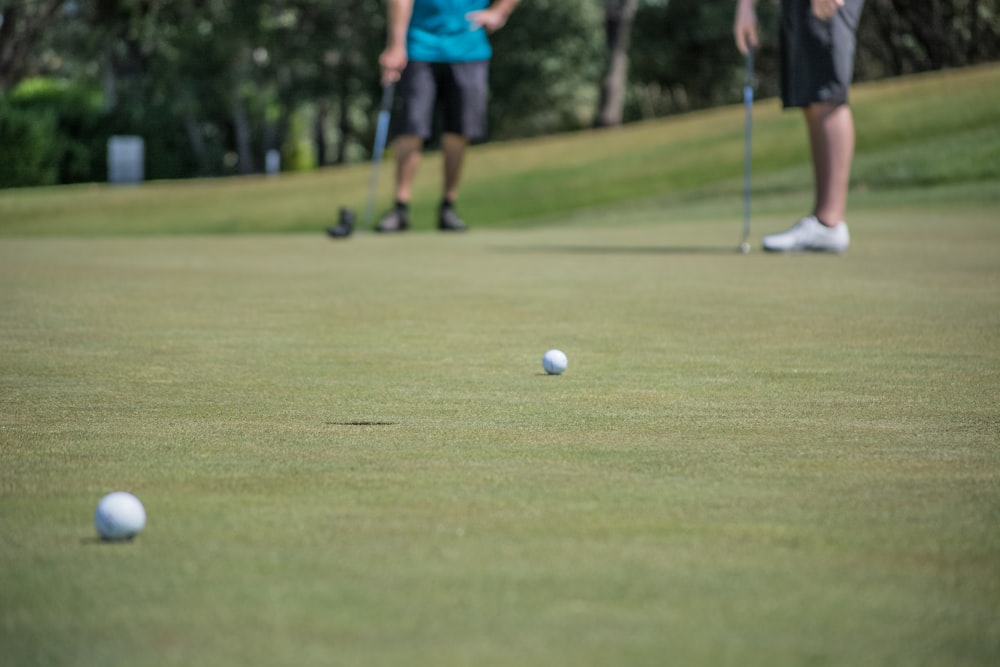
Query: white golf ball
[119,516]
[554,362]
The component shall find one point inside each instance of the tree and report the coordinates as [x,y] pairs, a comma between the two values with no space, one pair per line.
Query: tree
[684,57]
[22,26]
[897,37]
[618,17]
[545,70]
[234,73]
[214,84]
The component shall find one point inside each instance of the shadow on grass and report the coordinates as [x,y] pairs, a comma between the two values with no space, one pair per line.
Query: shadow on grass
[97,541]
[622,250]
[360,423]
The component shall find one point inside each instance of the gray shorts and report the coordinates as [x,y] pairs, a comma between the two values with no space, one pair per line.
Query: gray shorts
[457,91]
[817,63]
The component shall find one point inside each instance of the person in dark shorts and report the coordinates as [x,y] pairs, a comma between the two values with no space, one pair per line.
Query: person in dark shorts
[439,52]
[817,66]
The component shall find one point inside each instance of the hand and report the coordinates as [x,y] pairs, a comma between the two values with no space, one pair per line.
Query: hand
[490,19]
[393,61]
[825,9]
[745,26]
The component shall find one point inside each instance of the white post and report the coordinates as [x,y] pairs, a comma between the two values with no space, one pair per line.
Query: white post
[272,162]
[126,159]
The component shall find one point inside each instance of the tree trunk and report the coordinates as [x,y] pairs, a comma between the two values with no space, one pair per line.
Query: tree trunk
[19,31]
[241,128]
[345,129]
[322,118]
[197,141]
[972,52]
[618,17]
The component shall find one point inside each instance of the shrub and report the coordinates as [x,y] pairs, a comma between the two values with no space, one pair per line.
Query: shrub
[28,147]
[67,136]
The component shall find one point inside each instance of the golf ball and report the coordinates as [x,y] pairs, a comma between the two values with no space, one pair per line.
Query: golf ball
[554,362]
[119,516]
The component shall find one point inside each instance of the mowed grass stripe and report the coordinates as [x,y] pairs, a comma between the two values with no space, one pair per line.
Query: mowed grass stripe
[934,129]
[751,460]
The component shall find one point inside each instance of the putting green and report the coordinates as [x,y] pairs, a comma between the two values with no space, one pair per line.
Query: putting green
[349,452]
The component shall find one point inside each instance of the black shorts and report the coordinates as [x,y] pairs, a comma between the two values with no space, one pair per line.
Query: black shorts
[817,56]
[457,90]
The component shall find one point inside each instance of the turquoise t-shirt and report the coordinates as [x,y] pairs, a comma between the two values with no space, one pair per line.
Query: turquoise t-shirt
[440,33]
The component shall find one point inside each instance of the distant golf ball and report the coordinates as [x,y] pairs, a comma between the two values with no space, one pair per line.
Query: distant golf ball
[745,247]
[554,362]
[119,516]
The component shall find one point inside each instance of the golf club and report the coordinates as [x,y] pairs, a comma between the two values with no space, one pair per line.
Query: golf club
[381,135]
[747,151]
[345,224]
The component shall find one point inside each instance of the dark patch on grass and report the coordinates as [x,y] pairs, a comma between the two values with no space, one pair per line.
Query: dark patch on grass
[621,250]
[100,540]
[361,423]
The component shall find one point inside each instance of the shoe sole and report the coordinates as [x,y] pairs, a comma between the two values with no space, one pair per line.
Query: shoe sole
[338,233]
[803,251]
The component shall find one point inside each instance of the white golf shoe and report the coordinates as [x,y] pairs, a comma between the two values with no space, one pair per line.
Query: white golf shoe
[810,235]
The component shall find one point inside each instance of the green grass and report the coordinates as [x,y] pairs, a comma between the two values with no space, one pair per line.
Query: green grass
[934,129]
[350,455]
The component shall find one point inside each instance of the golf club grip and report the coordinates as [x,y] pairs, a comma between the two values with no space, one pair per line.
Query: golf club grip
[381,132]
[748,82]
[382,126]
[388,92]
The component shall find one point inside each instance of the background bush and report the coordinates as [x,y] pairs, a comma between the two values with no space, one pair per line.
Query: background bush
[29,147]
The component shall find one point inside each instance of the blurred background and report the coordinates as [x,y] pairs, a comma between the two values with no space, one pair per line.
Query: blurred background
[213,87]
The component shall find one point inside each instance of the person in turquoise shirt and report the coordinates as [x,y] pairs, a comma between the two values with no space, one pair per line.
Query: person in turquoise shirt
[438,51]
[441,31]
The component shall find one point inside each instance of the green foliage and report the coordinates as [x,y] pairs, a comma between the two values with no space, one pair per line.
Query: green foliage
[200,80]
[28,147]
[683,57]
[929,129]
[205,65]
[71,115]
[546,67]
[906,36]
[297,154]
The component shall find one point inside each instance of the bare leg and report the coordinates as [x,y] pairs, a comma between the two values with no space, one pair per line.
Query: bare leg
[453,146]
[408,150]
[831,136]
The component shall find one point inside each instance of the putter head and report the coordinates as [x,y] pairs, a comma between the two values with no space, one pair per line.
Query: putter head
[344,226]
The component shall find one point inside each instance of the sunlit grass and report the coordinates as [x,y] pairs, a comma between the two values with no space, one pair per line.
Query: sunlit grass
[924,130]
[349,452]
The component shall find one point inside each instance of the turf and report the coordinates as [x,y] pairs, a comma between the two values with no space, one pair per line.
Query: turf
[349,452]
[914,132]
[350,455]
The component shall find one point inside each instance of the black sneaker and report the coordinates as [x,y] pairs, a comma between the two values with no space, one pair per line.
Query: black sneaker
[448,220]
[396,220]
[344,226]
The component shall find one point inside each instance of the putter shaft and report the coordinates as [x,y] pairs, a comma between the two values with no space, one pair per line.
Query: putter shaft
[748,147]
[381,135]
